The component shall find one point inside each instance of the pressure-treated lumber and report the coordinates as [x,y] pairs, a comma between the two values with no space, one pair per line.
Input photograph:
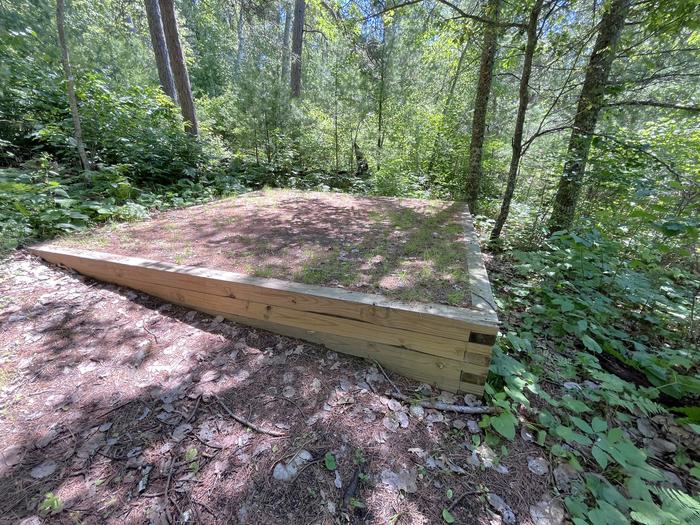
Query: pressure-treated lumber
[479,285]
[444,373]
[441,320]
[446,346]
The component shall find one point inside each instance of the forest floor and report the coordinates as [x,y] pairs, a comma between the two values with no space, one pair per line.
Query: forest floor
[408,249]
[118,408]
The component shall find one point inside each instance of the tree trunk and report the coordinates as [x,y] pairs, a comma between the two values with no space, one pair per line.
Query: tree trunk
[179,68]
[297,45]
[335,114]
[284,76]
[380,110]
[362,164]
[241,41]
[589,105]
[160,48]
[481,102]
[524,97]
[70,84]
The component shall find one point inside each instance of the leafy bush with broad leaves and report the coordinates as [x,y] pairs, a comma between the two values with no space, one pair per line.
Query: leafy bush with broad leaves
[129,125]
[630,306]
[136,126]
[37,202]
[582,298]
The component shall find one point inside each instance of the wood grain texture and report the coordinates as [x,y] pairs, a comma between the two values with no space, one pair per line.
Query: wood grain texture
[445,374]
[370,330]
[441,320]
[481,295]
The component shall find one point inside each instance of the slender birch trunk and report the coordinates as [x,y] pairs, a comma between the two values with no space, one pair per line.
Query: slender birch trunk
[524,99]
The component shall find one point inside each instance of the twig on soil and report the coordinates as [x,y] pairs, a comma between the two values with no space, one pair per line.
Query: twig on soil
[194,410]
[152,494]
[155,337]
[114,409]
[248,424]
[166,495]
[205,507]
[174,502]
[215,447]
[387,378]
[352,488]
[464,494]
[307,465]
[445,407]
[170,476]
[289,401]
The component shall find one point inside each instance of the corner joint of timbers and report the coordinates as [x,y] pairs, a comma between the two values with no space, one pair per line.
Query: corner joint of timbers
[482,339]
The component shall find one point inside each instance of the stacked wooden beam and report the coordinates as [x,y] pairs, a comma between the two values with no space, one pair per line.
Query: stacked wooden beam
[446,346]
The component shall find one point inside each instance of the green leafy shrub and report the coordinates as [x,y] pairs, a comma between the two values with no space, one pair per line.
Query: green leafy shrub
[582,298]
[138,127]
[634,308]
[133,126]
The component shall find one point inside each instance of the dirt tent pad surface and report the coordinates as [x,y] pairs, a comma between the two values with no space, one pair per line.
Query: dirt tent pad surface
[112,411]
[407,249]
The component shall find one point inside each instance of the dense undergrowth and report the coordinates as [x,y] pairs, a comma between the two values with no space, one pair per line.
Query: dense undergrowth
[142,160]
[595,341]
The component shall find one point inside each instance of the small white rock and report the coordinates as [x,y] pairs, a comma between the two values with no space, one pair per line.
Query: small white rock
[547,512]
[44,469]
[538,466]
[417,411]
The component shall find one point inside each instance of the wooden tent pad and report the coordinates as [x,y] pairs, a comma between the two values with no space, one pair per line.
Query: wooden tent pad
[434,343]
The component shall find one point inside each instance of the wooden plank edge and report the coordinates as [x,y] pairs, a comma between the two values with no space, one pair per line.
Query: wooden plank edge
[463,319]
[479,284]
[442,372]
[392,358]
[431,345]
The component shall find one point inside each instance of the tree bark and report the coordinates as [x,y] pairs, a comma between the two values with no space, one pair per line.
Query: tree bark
[284,76]
[589,104]
[70,84]
[241,41]
[179,68]
[524,99]
[160,48]
[481,102]
[335,115]
[380,108]
[297,46]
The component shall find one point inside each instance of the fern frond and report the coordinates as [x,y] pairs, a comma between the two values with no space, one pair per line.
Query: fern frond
[684,506]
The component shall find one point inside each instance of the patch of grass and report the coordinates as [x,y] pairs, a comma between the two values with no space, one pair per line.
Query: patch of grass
[378,216]
[5,377]
[410,295]
[246,241]
[404,218]
[261,271]
[322,270]
[88,240]
[226,221]
[456,297]
[185,254]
